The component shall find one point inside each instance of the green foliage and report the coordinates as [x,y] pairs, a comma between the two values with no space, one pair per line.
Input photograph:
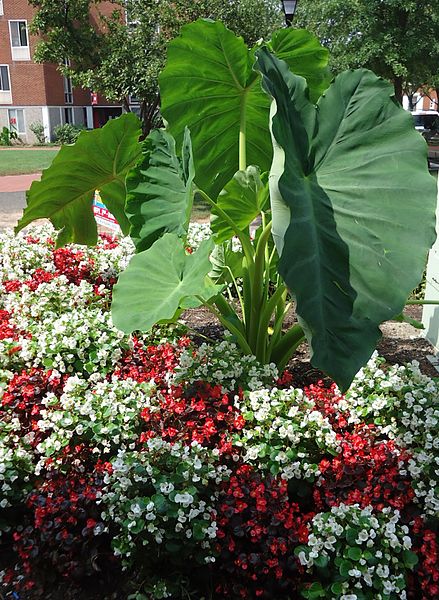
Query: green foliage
[330,165]
[37,129]
[395,38]
[67,133]
[100,159]
[222,70]
[7,136]
[160,190]
[120,60]
[344,184]
[158,281]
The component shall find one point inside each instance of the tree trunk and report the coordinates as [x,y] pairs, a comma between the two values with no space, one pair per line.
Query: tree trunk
[397,82]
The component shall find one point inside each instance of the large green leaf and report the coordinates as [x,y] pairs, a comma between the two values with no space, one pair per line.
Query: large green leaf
[305,56]
[243,199]
[209,86]
[160,190]
[352,177]
[100,159]
[158,280]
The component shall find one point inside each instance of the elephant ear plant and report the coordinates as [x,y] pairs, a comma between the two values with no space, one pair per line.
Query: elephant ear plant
[348,199]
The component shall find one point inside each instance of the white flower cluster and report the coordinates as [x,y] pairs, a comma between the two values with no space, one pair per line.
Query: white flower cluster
[70,328]
[224,364]
[164,495]
[404,404]
[19,259]
[105,412]
[16,466]
[368,552]
[197,233]
[286,432]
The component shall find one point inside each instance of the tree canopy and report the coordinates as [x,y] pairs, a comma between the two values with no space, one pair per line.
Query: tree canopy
[397,39]
[121,54]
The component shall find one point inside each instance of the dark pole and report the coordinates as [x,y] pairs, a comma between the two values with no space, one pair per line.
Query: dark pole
[289,7]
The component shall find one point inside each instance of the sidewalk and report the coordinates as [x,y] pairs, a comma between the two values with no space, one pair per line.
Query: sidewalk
[17,183]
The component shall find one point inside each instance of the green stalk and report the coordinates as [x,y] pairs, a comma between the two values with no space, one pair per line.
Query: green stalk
[262,339]
[247,295]
[240,338]
[288,344]
[257,293]
[245,241]
[242,134]
[422,302]
[281,311]
[227,311]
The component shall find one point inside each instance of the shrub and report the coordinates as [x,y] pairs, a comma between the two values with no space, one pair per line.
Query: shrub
[67,133]
[37,129]
[6,137]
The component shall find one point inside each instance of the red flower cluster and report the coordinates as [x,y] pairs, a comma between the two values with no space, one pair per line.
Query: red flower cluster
[199,413]
[258,529]
[366,472]
[144,363]
[326,399]
[424,583]
[23,398]
[7,331]
[61,533]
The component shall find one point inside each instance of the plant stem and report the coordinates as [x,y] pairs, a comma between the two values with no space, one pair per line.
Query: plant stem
[257,291]
[242,133]
[245,240]
[240,338]
[422,302]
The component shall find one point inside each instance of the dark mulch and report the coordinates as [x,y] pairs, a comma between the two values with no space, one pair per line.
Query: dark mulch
[401,343]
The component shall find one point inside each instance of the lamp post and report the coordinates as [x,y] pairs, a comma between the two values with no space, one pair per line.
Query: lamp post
[289,7]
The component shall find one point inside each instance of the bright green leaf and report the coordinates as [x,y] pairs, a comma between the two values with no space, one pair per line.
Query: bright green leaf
[159,190]
[100,159]
[305,56]
[354,553]
[355,209]
[243,199]
[209,85]
[156,282]
[226,264]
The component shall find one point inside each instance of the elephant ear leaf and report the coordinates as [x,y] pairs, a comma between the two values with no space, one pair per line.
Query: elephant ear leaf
[160,190]
[100,159]
[159,281]
[243,199]
[361,203]
[210,86]
[305,56]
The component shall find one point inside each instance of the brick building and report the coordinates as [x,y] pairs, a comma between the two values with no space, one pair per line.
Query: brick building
[31,92]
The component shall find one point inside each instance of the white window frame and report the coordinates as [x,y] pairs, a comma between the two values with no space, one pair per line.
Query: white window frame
[27,32]
[68,90]
[9,77]
[2,12]
[15,128]
[19,52]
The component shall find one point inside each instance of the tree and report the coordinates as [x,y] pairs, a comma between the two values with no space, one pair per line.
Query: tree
[120,60]
[397,39]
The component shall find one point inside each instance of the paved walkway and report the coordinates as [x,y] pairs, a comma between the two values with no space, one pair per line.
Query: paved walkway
[17,183]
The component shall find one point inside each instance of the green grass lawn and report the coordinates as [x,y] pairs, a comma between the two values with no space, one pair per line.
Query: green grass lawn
[18,162]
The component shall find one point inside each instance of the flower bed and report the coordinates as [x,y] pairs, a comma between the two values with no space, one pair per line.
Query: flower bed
[149,468]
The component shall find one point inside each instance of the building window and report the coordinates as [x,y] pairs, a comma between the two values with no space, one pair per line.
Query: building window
[68,90]
[1,8]
[16,120]
[68,115]
[5,83]
[19,38]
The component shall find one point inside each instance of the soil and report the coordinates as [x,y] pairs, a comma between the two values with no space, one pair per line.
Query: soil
[401,343]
